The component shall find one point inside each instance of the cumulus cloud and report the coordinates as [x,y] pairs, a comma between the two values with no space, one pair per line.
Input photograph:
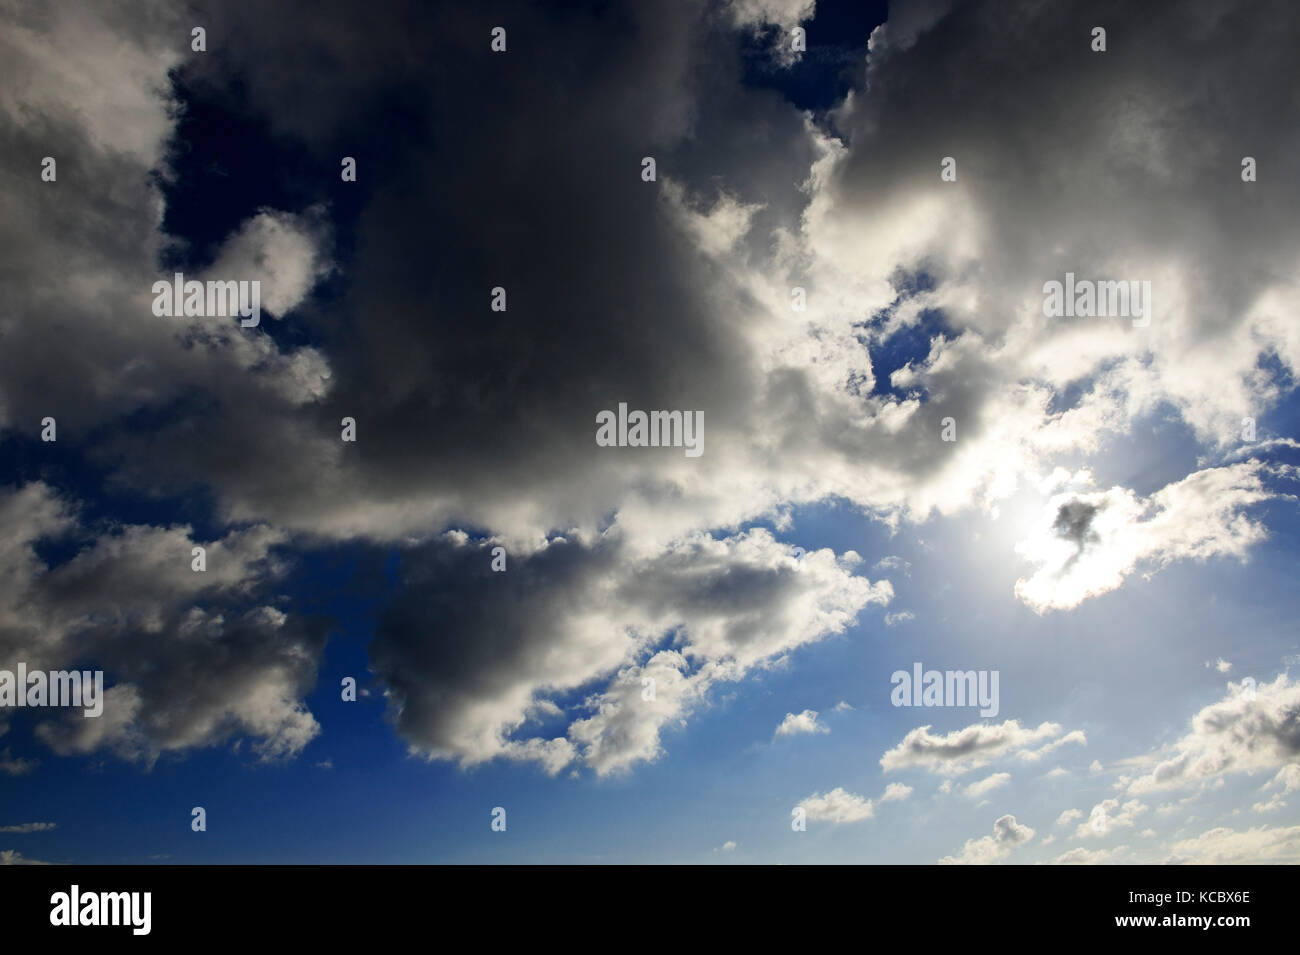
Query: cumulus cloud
[1001,236]
[805,722]
[1252,728]
[1068,816]
[1034,755]
[841,806]
[14,857]
[1261,845]
[1288,777]
[573,613]
[1108,815]
[970,748]
[1273,804]
[1088,543]
[193,657]
[1007,835]
[983,787]
[281,250]
[896,792]
[1083,856]
[837,806]
[784,15]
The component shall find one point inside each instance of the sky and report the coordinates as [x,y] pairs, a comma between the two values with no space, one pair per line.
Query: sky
[572,650]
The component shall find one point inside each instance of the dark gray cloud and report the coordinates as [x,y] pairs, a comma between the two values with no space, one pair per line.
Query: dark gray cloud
[470,655]
[190,657]
[1074,523]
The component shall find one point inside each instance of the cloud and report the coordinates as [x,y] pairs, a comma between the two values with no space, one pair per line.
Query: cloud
[983,246]
[193,657]
[837,807]
[12,765]
[281,250]
[805,722]
[1082,856]
[1288,777]
[1248,730]
[571,614]
[1069,816]
[896,792]
[728,846]
[902,616]
[1274,803]
[1007,835]
[1108,815]
[985,786]
[1088,543]
[1034,755]
[966,749]
[13,857]
[784,15]
[1261,845]
[27,827]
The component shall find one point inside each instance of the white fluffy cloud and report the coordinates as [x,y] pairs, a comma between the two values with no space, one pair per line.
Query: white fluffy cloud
[805,722]
[1108,815]
[283,251]
[896,792]
[1251,729]
[837,806]
[1083,856]
[983,787]
[1088,542]
[1007,835]
[1068,816]
[1261,845]
[970,748]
